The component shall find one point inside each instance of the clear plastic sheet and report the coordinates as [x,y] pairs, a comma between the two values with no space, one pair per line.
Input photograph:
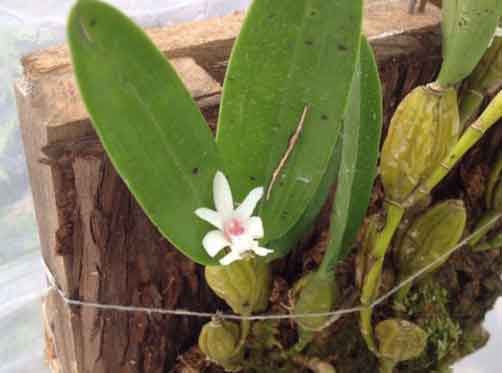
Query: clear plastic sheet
[28,25]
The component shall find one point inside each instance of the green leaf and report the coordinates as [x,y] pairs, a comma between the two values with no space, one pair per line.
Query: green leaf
[289,55]
[361,140]
[467,28]
[149,125]
[283,245]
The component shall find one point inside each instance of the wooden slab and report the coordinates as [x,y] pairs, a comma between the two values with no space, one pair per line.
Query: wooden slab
[48,73]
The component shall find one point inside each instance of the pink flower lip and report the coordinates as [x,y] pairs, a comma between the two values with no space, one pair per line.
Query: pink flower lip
[234,228]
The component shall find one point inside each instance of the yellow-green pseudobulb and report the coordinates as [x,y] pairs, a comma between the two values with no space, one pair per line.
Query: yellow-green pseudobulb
[245,284]
[398,340]
[429,239]
[422,131]
[219,340]
[315,294]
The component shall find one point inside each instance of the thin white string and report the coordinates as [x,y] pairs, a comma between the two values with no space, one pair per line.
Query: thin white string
[333,315]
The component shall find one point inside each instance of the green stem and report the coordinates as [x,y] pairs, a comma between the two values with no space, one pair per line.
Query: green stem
[494,243]
[470,103]
[485,78]
[387,366]
[304,338]
[402,293]
[327,267]
[489,117]
[484,226]
[369,291]
[394,214]
[372,281]
[245,328]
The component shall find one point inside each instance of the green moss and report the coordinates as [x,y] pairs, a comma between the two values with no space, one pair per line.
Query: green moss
[343,348]
[427,306]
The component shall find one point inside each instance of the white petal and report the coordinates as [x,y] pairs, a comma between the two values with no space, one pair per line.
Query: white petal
[254,227]
[242,243]
[261,251]
[229,258]
[247,207]
[214,242]
[212,217]
[222,195]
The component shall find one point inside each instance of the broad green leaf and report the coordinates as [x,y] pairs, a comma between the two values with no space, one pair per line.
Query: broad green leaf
[289,55]
[149,125]
[361,140]
[467,29]
[448,24]
[283,245]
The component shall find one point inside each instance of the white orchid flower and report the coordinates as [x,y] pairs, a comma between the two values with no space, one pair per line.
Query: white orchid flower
[237,228]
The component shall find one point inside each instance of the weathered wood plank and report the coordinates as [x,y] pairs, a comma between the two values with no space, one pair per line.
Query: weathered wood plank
[77,211]
[48,73]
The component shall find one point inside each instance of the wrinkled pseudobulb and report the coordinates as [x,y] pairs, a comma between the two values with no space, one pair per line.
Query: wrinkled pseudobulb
[430,238]
[244,284]
[219,340]
[398,340]
[424,128]
[314,294]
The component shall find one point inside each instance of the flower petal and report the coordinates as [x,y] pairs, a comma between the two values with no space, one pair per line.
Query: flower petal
[261,251]
[247,207]
[230,257]
[214,242]
[254,227]
[212,217]
[242,243]
[222,195]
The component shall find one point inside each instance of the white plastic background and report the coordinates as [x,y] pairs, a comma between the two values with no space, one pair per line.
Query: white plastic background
[27,25]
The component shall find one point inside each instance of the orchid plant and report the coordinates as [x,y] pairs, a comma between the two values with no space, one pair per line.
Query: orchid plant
[288,126]
[313,78]
[278,139]
[301,111]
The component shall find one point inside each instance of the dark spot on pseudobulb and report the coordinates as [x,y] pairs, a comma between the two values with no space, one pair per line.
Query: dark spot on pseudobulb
[309,42]
[342,47]
[324,117]
[93,22]
[195,171]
